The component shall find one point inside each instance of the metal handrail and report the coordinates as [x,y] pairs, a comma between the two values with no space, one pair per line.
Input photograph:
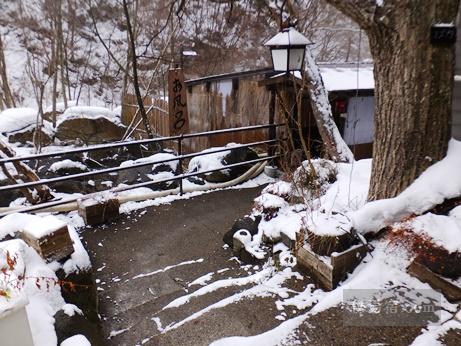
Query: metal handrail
[135,186]
[142,164]
[141,141]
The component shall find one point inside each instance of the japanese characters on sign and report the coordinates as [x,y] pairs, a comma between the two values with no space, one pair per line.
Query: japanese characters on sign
[177,102]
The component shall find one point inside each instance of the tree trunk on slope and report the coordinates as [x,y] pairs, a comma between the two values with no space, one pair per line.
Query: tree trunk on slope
[335,146]
[413,87]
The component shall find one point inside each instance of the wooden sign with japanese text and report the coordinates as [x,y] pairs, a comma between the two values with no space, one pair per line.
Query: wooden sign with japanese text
[177,102]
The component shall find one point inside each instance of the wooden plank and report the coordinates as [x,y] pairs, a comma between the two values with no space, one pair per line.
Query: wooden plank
[177,103]
[95,212]
[437,282]
[315,266]
[329,275]
[287,240]
[346,261]
[53,247]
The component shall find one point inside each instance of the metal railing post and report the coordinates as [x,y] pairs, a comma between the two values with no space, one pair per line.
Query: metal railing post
[180,164]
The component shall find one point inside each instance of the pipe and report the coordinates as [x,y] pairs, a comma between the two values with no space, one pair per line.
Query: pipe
[254,171]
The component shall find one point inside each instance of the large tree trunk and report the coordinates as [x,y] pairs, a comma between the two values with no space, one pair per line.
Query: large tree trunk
[413,87]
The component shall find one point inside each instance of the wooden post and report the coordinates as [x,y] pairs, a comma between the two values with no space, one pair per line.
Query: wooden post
[180,165]
[272,130]
[177,102]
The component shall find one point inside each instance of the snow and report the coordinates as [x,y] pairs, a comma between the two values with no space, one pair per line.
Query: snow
[71,309]
[162,270]
[270,201]
[41,227]
[189,53]
[431,335]
[210,161]
[44,302]
[456,213]
[319,97]
[155,158]
[79,260]
[76,340]
[287,221]
[91,112]
[13,223]
[439,182]
[279,188]
[67,164]
[325,224]
[15,119]
[255,278]
[288,36]
[202,280]
[345,78]
[444,231]
[272,286]
[384,270]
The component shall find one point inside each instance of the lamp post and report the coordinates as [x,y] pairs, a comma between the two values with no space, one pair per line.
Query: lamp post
[288,48]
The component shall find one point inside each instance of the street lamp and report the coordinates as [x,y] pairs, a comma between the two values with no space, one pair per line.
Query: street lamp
[287,49]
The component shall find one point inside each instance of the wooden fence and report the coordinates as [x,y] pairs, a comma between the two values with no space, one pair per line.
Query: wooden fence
[157,114]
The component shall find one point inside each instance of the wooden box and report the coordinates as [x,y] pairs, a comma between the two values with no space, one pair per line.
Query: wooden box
[96,211]
[49,237]
[330,270]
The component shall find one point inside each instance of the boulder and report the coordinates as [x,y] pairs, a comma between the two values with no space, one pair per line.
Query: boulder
[227,174]
[151,172]
[248,223]
[89,130]
[26,136]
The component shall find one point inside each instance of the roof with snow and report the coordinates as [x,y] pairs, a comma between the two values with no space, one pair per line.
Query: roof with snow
[289,36]
[336,77]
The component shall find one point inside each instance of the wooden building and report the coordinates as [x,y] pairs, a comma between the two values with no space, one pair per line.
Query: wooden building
[242,99]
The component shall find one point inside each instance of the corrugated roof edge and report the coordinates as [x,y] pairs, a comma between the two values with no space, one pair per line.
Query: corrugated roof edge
[268,71]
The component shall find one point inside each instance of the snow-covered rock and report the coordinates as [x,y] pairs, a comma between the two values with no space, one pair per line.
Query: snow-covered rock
[15,119]
[68,166]
[89,112]
[91,129]
[221,160]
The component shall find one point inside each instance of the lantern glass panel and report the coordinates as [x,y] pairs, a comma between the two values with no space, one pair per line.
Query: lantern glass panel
[296,59]
[279,59]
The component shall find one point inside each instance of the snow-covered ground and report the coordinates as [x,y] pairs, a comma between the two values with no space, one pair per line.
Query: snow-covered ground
[27,277]
[337,208]
[44,301]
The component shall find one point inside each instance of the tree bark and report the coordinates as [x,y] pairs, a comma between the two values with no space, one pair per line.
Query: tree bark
[8,99]
[413,87]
